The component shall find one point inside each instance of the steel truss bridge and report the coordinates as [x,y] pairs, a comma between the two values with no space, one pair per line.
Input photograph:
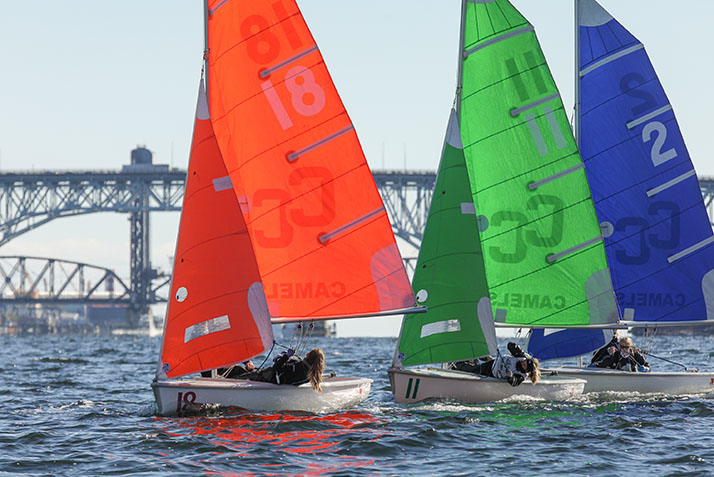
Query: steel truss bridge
[29,200]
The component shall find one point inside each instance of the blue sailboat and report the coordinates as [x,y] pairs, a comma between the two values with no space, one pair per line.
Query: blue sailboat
[657,234]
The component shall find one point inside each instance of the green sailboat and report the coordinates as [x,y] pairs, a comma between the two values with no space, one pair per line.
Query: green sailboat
[512,235]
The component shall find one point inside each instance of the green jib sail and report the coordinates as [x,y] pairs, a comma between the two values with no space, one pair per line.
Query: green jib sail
[542,245]
[449,277]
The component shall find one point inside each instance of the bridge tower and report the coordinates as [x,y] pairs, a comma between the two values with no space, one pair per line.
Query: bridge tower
[141,272]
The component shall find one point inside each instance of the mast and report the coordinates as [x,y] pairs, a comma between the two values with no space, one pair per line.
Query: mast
[577,73]
[459,79]
[205,43]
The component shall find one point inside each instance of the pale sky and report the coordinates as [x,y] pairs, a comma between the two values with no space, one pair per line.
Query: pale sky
[84,82]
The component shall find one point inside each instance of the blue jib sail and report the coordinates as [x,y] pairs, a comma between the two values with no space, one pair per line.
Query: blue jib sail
[657,232]
[552,344]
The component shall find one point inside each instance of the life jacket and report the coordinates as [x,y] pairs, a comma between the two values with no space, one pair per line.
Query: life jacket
[293,371]
[505,367]
[627,362]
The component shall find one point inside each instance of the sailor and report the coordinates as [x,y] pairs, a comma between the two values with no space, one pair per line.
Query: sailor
[514,369]
[288,368]
[626,358]
[607,350]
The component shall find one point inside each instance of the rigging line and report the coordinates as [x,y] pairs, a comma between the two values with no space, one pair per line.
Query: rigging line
[266,356]
[695,370]
[308,337]
[300,330]
[292,338]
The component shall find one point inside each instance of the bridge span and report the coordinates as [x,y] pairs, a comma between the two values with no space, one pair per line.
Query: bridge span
[31,199]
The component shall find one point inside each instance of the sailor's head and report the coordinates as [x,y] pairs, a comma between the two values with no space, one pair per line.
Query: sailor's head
[625,345]
[527,365]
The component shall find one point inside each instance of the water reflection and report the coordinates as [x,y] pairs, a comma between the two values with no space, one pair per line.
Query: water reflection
[275,441]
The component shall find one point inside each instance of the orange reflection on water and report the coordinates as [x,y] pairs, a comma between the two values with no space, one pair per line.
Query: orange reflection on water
[296,433]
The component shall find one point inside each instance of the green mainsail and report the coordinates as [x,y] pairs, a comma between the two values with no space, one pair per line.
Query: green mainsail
[449,277]
[542,246]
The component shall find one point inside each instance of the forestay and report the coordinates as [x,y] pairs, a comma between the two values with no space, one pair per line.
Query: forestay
[321,235]
[543,251]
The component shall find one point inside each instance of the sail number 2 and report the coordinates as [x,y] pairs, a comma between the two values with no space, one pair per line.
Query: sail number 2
[653,130]
[307,98]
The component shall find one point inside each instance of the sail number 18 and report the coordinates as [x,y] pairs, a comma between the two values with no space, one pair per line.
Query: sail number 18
[185,401]
[307,98]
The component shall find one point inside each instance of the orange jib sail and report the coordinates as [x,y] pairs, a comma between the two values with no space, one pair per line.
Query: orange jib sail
[217,314]
[321,235]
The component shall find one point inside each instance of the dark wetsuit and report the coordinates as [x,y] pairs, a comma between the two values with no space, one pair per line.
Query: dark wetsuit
[602,352]
[625,362]
[287,369]
[503,367]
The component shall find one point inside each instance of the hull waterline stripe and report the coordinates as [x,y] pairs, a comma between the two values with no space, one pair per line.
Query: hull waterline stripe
[557,256]
[636,122]
[492,41]
[269,71]
[690,250]
[215,9]
[534,104]
[668,184]
[537,184]
[294,155]
[222,183]
[610,58]
[325,237]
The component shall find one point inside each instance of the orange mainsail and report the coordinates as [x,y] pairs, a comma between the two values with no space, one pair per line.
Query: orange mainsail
[322,239]
[217,314]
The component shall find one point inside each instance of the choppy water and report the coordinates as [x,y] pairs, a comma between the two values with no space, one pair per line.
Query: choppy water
[83,406]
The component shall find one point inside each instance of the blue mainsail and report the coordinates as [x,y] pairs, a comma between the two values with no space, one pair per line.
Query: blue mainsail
[648,200]
[657,232]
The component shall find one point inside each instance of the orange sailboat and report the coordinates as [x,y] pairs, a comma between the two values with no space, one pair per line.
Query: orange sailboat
[282,221]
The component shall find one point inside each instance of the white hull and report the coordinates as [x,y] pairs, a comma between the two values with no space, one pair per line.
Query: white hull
[414,385]
[176,396]
[602,380]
